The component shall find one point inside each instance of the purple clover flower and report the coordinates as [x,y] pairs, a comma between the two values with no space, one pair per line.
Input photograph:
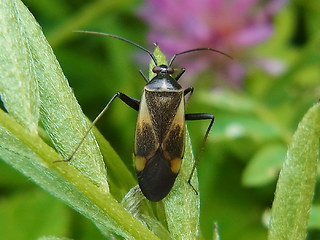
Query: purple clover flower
[231,26]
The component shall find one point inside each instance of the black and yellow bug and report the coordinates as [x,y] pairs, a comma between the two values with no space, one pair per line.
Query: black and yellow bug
[160,129]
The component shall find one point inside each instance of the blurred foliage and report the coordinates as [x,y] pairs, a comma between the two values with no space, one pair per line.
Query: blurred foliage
[243,155]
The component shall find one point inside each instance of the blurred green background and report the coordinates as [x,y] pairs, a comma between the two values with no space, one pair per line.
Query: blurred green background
[255,119]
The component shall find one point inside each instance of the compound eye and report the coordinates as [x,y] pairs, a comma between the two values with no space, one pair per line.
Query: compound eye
[157,69]
[170,70]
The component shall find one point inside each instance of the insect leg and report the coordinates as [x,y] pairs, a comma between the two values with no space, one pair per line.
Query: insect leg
[131,102]
[180,72]
[188,90]
[199,116]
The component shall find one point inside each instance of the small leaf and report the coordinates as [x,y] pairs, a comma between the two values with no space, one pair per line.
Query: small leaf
[161,59]
[244,126]
[228,101]
[295,188]
[264,166]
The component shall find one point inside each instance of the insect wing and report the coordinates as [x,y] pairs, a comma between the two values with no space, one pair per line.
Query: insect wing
[159,142]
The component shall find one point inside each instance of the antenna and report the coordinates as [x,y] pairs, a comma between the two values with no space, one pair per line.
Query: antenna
[196,50]
[122,39]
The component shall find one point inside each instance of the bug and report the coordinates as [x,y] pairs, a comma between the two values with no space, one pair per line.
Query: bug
[160,129]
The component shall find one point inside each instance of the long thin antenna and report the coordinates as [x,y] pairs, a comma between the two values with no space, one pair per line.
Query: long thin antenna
[122,39]
[196,50]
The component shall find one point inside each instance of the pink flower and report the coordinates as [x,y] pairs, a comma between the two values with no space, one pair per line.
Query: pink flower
[230,26]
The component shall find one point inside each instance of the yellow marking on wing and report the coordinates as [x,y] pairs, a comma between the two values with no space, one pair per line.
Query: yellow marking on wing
[175,165]
[139,163]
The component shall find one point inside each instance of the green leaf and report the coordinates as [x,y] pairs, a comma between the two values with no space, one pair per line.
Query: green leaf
[295,188]
[257,119]
[264,166]
[228,101]
[161,59]
[244,126]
